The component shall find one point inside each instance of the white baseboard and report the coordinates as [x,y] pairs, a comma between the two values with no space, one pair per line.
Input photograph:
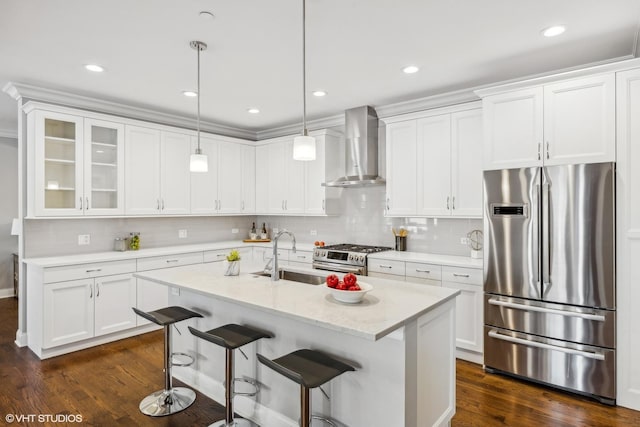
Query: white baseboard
[22,339]
[6,293]
[470,356]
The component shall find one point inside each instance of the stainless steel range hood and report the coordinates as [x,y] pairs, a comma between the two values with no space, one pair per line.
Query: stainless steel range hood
[361,149]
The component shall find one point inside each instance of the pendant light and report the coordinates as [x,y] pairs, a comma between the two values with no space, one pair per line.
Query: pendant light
[198,162]
[304,146]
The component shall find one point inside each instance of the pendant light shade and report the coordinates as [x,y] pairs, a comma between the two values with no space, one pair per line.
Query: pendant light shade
[304,146]
[198,162]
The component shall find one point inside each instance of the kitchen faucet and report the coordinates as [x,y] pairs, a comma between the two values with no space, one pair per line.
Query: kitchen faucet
[274,269]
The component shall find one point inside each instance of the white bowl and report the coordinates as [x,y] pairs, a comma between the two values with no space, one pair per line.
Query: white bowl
[351,297]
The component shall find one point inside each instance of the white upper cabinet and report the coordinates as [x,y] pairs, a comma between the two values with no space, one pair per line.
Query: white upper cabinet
[434,163]
[568,122]
[466,164]
[401,168]
[328,165]
[434,166]
[248,179]
[78,165]
[513,129]
[230,169]
[295,182]
[157,172]
[142,171]
[579,121]
[175,180]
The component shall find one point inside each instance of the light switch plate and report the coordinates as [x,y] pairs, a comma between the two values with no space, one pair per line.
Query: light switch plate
[182,234]
[314,232]
[234,231]
[84,239]
[175,291]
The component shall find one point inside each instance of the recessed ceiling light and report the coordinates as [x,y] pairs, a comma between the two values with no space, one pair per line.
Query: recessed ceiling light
[319,93]
[253,110]
[205,15]
[410,69]
[190,93]
[556,30]
[95,68]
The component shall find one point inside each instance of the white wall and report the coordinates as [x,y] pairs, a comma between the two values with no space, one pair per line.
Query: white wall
[362,221]
[8,211]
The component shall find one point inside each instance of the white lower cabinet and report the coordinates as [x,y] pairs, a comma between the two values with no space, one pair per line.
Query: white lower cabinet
[469,309]
[86,308]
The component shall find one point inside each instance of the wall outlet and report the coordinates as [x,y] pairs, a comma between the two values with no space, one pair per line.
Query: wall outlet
[84,239]
[234,231]
[314,232]
[464,240]
[275,231]
[175,291]
[182,234]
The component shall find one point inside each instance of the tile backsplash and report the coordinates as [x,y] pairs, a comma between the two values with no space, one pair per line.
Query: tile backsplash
[362,221]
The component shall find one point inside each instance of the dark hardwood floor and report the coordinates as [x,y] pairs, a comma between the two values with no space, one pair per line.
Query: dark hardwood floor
[104,385]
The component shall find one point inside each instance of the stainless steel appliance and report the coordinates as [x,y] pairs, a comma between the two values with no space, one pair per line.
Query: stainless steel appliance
[549,276]
[344,257]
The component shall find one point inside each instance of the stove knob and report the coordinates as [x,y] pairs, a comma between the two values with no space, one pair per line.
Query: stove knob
[361,258]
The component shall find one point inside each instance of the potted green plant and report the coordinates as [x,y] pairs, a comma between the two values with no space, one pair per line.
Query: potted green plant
[233,263]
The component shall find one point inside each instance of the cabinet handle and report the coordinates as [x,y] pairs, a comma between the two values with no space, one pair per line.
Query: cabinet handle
[286,202]
[219,204]
[220,255]
[94,270]
[97,290]
[539,147]
[384,266]
[90,291]
[460,275]
[172,260]
[453,202]
[87,203]
[322,205]
[242,205]
[302,256]
[80,203]
[162,204]
[157,204]
[547,150]
[387,203]
[448,202]
[422,271]
[283,205]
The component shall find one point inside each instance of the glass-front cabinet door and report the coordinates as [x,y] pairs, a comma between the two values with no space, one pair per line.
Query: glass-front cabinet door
[59,162]
[103,168]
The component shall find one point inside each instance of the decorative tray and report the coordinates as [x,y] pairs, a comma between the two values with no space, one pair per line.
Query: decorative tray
[256,240]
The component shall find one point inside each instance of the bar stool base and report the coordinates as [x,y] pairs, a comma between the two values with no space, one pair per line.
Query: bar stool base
[238,422]
[167,402]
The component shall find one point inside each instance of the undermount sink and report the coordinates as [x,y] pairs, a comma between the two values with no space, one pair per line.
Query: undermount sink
[295,276]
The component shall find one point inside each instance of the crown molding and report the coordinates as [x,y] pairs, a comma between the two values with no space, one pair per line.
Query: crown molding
[20,90]
[295,128]
[606,66]
[429,102]
[9,133]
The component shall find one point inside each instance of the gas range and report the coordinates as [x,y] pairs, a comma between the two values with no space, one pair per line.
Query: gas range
[345,257]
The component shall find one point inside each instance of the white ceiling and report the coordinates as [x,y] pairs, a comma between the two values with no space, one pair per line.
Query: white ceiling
[355,50]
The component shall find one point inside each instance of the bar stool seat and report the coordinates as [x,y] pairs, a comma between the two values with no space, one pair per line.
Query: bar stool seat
[232,336]
[310,369]
[171,399]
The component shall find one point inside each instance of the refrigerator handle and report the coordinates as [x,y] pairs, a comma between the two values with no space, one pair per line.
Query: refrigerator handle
[588,354]
[546,237]
[536,250]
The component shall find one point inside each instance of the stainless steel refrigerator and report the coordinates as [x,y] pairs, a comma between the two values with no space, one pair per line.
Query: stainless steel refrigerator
[549,276]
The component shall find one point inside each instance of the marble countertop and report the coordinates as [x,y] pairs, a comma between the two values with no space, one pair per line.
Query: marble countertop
[388,307]
[62,260]
[455,261]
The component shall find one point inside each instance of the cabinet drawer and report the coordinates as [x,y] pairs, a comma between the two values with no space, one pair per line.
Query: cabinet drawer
[85,271]
[471,276]
[421,281]
[387,267]
[283,255]
[156,262]
[246,254]
[425,271]
[301,256]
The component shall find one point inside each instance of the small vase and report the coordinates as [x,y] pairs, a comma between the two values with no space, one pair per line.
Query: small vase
[233,268]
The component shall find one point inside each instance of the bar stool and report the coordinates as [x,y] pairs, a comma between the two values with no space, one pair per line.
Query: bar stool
[171,399]
[230,337]
[310,369]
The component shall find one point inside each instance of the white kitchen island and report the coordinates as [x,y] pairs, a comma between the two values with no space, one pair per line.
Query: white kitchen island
[401,338]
